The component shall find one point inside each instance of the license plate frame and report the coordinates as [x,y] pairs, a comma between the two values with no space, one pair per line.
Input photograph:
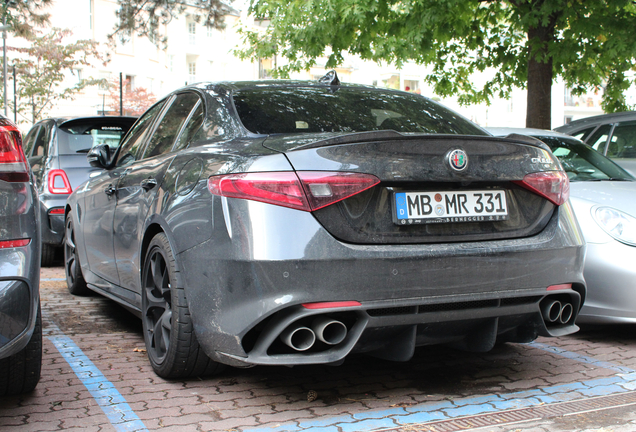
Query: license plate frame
[425,207]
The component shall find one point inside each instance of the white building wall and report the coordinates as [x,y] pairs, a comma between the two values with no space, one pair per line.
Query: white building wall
[210,52]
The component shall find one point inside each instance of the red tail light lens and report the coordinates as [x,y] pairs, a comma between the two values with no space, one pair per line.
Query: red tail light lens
[59,183]
[306,190]
[13,167]
[14,243]
[326,188]
[553,185]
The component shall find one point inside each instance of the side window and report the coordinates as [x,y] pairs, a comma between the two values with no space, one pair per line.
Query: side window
[137,136]
[599,138]
[171,123]
[40,146]
[193,124]
[622,144]
[29,140]
[584,134]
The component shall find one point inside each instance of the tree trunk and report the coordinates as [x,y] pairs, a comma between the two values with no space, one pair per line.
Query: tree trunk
[539,108]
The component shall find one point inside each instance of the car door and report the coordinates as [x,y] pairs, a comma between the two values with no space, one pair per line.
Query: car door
[100,198]
[139,187]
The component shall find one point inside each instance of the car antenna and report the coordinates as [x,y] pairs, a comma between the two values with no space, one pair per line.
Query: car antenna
[332,79]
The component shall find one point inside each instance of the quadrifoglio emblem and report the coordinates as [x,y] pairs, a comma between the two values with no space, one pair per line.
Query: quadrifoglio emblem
[458,160]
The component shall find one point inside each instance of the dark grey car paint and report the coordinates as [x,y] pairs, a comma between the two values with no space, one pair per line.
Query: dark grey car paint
[238,274]
[19,266]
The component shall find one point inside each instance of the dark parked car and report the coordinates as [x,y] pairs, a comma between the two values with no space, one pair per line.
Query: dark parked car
[20,321]
[286,223]
[56,150]
[613,135]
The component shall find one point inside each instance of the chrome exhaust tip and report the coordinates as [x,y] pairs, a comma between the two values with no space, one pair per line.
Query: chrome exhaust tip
[298,338]
[551,310]
[328,330]
[566,313]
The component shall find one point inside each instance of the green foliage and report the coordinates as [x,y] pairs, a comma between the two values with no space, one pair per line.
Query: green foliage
[42,67]
[24,15]
[590,43]
[148,17]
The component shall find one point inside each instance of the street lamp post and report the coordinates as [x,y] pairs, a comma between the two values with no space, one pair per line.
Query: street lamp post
[4,29]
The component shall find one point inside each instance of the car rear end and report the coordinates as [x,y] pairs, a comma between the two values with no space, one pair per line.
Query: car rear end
[68,166]
[380,241]
[20,331]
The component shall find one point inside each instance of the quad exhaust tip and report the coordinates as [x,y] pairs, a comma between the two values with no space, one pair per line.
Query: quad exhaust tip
[554,311]
[328,330]
[299,338]
[325,329]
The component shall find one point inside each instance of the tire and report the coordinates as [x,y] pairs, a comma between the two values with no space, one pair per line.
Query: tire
[48,254]
[74,278]
[20,373]
[172,346]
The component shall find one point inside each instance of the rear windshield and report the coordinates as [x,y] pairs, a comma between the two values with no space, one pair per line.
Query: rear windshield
[319,109]
[80,136]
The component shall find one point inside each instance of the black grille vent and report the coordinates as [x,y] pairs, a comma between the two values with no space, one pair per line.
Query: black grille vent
[519,300]
[447,307]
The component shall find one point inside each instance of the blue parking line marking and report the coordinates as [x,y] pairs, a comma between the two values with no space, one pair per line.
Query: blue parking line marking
[372,420]
[52,279]
[114,405]
[581,358]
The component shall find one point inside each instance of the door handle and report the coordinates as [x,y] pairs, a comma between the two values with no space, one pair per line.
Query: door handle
[148,184]
[109,190]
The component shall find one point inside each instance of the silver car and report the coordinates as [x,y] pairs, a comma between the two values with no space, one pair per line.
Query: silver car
[613,135]
[56,150]
[20,321]
[603,196]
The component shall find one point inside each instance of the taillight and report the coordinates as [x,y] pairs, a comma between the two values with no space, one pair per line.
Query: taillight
[56,211]
[553,185]
[14,243]
[13,165]
[58,182]
[305,190]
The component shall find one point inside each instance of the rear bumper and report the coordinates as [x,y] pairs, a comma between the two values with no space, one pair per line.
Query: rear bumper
[52,224]
[247,284]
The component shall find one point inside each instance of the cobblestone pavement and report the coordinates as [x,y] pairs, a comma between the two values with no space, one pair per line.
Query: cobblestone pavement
[96,377]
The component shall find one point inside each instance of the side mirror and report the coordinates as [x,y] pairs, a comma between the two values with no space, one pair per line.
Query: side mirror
[99,156]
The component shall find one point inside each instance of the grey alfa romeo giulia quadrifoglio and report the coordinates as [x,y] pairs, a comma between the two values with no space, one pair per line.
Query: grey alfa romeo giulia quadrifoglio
[288,222]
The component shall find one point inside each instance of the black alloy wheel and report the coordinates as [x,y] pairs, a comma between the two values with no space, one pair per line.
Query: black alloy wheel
[172,347]
[74,277]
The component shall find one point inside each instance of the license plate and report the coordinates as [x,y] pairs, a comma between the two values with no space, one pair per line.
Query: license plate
[455,206]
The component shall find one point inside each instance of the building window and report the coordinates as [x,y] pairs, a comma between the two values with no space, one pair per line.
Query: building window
[265,67]
[171,62]
[192,72]
[192,33]
[209,31]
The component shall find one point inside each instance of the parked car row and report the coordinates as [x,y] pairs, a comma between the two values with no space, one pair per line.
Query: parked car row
[56,150]
[293,222]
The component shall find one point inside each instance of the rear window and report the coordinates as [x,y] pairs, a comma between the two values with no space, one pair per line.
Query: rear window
[80,136]
[275,110]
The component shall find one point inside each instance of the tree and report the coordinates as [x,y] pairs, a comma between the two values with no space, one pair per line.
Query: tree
[43,66]
[136,101]
[24,15]
[516,43]
[147,17]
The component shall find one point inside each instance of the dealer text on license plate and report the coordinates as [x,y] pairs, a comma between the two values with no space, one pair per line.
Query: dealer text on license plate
[438,207]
